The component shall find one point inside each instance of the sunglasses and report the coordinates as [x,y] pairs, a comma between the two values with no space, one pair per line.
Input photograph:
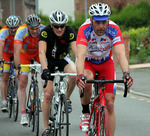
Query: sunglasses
[57,27]
[36,28]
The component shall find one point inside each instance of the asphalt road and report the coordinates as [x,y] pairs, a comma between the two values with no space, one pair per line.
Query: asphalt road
[132,116]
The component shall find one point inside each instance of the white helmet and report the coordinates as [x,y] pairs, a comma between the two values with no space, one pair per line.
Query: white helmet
[12,21]
[58,17]
[99,9]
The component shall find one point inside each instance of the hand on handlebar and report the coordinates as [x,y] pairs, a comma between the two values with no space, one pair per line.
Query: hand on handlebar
[128,79]
[46,75]
[81,80]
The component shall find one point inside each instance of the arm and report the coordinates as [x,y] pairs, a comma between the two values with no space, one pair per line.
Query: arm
[119,51]
[17,51]
[42,54]
[1,49]
[81,54]
[74,48]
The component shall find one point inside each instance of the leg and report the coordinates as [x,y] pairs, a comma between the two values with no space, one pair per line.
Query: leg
[4,90]
[85,102]
[22,84]
[4,85]
[70,68]
[48,93]
[110,98]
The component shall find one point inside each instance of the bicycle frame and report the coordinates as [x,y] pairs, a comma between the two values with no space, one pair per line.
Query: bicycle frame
[99,107]
[60,119]
[33,100]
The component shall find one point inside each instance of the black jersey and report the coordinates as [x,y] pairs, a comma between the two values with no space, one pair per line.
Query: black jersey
[57,47]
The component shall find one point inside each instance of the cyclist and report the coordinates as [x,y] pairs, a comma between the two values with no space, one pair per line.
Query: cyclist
[7,34]
[26,48]
[55,41]
[95,40]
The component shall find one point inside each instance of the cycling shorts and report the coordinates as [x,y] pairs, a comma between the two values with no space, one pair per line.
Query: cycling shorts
[7,57]
[26,59]
[52,64]
[105,69]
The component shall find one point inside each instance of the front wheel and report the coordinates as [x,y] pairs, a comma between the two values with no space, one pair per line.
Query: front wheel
[15,100]
[62,118]
[36,110]
[9,100]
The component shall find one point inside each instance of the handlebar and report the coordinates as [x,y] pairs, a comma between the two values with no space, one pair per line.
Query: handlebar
[103,81]
[61,75]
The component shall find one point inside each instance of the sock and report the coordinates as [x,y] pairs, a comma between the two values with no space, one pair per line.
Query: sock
[4,101]
[85,108]
[23,112]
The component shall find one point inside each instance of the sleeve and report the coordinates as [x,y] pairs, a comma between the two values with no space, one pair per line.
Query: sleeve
[118,39]
[43,35]
[19,36]
[81,38]
[72,35]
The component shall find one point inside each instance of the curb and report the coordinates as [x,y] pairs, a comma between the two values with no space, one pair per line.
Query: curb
[121,88]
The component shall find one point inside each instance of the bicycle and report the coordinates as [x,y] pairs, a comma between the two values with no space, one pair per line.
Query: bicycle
[59,116]
[12,97]
[33,105]
[98,122]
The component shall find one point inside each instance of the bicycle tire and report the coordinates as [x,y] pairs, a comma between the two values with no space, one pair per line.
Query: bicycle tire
[36,110]
[92,128]
[62,120]
[53,112]
[15,101]
[9,100]
[101,122]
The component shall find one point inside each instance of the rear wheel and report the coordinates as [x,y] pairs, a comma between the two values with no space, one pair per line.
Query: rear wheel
[62,118]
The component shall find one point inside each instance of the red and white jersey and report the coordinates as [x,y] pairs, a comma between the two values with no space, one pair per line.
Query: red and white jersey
[99,47]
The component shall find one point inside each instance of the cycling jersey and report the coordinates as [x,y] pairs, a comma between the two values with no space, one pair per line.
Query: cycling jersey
[57,47]
[8,49]
[8,40]
[30,46]
[99,47]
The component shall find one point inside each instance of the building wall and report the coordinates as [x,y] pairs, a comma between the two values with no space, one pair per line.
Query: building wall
[22,8]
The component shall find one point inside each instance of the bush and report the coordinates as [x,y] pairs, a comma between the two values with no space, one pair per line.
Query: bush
[138,49]
[132,16]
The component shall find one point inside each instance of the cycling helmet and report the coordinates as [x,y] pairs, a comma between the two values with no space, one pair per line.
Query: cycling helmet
[33,21]
[58,17]
[99,11]
[12,21]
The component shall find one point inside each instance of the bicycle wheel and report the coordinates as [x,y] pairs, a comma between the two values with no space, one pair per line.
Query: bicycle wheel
[15,102]
[92,128]
[36,111]
[9,100]
[62,118]
[101,122]
[52,115]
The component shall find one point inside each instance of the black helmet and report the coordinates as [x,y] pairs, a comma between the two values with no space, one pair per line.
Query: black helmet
[33,21]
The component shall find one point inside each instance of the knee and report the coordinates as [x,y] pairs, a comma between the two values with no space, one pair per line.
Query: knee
[110,107]
[47,96]
[5,77]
